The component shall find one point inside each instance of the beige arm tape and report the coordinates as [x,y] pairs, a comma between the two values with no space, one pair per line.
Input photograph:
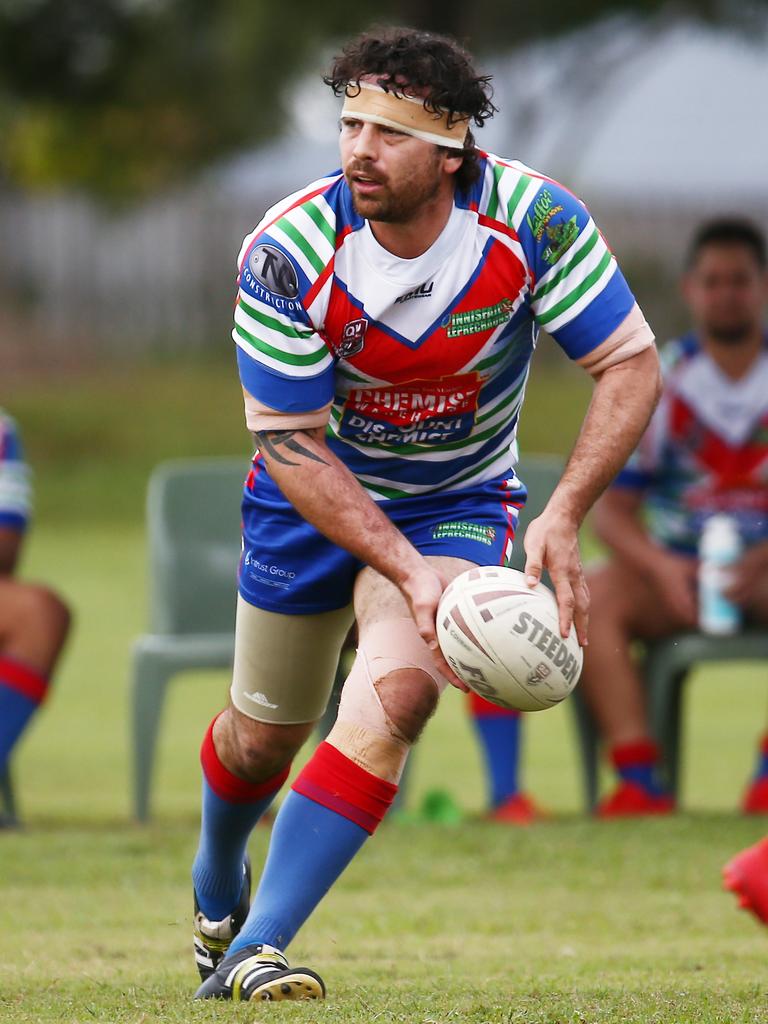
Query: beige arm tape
[261,417]
[632,336]
[363,731]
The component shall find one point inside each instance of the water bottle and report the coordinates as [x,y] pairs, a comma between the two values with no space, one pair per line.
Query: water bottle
[720,548]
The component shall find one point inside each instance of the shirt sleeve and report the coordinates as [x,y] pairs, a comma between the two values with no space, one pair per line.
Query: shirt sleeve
[282,359]
[15,489]
[578,293]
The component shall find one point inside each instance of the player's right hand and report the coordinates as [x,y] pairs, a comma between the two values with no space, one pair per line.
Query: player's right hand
[423,589]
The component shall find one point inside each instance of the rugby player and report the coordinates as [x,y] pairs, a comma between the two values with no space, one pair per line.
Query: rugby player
[706,451]
[34,621]
[385,323]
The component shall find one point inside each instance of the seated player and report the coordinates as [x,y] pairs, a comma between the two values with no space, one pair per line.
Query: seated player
[33,621]
[705,451]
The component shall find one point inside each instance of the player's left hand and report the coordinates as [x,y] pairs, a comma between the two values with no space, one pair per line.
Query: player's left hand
[552,542]
[748,576]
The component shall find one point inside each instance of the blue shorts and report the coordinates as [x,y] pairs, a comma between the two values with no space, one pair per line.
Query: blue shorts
[289,566]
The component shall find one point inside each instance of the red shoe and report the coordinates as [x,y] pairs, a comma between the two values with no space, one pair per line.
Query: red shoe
[516,810]
[756,797]
[629,800]
[746,875]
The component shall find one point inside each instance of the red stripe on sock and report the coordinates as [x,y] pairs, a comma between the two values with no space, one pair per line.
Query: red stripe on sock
[24,680]
[482,708]
[639,752]
[229,787]
[331,779]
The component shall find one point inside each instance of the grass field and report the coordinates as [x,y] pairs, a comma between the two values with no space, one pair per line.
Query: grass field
[568,921]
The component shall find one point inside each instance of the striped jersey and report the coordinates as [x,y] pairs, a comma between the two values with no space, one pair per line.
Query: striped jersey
[425,360]
[15,491]
[705,450]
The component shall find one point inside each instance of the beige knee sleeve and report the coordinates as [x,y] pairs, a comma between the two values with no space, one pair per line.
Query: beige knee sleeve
[285,664]
[363,730]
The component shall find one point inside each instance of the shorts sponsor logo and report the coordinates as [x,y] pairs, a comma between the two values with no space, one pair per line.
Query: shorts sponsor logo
[272,269]
[473,321]
[353,338]
[465,531]
[417,412]
[269,575]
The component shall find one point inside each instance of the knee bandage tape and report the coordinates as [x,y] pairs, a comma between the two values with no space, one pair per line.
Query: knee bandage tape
[363,730]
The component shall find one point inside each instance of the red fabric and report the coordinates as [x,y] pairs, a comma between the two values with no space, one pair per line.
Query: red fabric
[632,801]
[640,752]
[331,779]
[482,708]
[229,787]
[24,680]
[756,797]
[746,875]
[764,745]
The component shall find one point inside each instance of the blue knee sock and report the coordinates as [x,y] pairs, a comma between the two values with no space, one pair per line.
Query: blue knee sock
[333,807]
[22,690]
[310,847]
[231,808]
[499,735]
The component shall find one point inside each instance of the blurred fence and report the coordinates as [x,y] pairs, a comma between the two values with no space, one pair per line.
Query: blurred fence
[76,276]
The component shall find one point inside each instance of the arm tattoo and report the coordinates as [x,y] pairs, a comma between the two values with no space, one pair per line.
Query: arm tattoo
[271,441]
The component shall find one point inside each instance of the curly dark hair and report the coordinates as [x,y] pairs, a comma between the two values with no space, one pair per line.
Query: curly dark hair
[403,58]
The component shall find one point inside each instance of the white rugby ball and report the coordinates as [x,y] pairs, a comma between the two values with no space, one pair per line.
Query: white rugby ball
[502,638]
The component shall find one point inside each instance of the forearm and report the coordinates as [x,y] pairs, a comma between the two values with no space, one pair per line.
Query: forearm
[624,398]
[327,495]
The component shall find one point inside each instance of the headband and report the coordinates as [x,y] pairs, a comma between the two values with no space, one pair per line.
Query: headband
[404,114]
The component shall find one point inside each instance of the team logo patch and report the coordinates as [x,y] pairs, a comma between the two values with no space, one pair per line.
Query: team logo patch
[473,321]
[274,271]
[353,338]
[544,209]
[561,237]
[417,412]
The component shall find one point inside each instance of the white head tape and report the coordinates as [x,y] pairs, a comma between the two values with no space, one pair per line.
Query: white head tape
[369,102]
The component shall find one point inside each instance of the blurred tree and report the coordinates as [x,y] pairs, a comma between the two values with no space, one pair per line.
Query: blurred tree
[122,96]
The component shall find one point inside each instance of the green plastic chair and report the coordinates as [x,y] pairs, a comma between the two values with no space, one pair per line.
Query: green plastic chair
[667,666]
[193,522]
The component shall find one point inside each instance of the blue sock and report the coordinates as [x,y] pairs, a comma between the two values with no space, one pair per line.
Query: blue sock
[217,871]
[21,692]
[231,808]
[761,768]
[638,763]
[500,739]
[310,847]
[642,775]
